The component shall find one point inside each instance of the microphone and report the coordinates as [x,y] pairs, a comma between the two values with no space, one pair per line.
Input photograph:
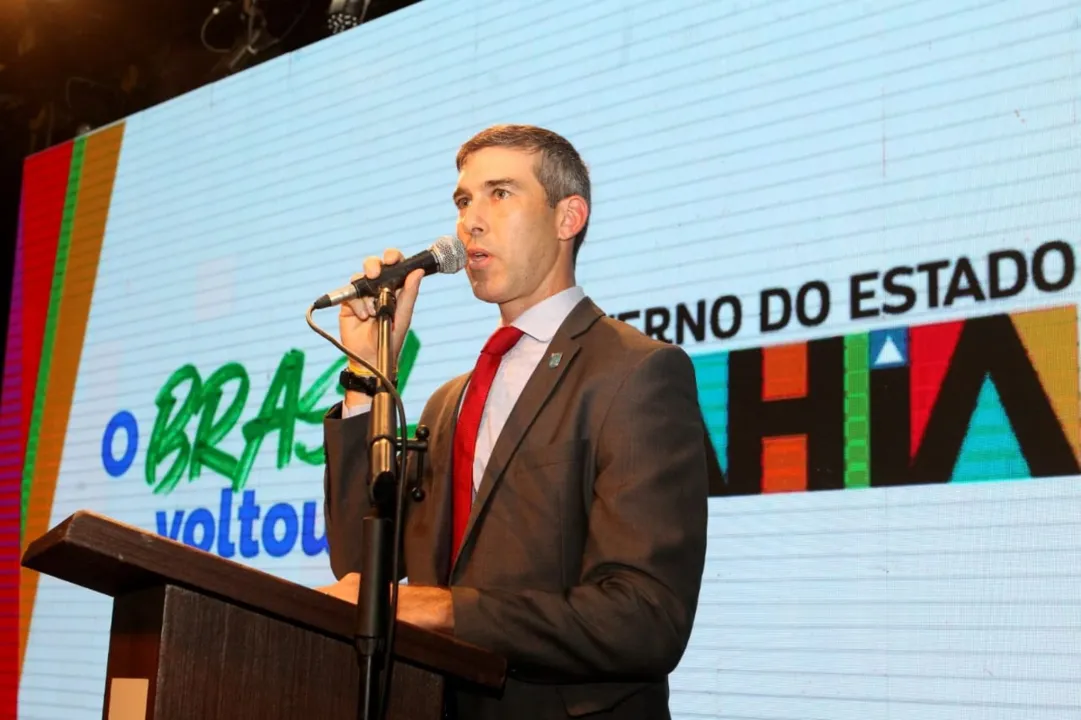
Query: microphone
[345,15]
[446,255]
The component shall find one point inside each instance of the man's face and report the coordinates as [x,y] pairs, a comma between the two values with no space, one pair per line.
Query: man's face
[509,231]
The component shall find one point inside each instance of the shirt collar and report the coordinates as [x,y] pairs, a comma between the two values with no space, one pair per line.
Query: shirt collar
[542,320]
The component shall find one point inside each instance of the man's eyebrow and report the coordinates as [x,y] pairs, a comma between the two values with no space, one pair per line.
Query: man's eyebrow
[498,182]
[510,182]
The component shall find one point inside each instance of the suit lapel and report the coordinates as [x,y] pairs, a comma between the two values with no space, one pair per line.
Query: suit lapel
[438,513]
[542,383]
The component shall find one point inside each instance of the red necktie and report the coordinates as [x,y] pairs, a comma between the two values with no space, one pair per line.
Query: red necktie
[465,432]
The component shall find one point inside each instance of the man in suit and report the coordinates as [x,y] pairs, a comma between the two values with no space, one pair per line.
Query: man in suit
[563,522]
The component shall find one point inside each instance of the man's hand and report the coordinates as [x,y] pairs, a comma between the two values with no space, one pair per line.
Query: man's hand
[424,606]
[345,589]
[356,318]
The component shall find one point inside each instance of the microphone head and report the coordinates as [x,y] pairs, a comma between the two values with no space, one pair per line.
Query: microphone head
[449,254]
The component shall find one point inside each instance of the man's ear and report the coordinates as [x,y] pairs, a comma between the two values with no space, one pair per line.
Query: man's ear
[571,215]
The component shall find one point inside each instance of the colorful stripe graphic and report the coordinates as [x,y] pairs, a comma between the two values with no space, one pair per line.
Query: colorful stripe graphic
[41,210]
[45,190]
[12,444]
[988,398]
[66,195]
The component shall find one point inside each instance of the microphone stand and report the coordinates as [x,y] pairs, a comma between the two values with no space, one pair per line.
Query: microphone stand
[373,601]
[382,526]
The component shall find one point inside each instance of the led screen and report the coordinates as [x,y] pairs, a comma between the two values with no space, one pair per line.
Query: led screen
[860,220]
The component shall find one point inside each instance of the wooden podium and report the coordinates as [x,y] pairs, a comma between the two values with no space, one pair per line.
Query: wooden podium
[196,636]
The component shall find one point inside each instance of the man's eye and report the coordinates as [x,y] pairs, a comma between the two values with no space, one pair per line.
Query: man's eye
[461,203]
[501,193]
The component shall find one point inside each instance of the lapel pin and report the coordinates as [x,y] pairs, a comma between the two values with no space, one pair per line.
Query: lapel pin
[553,361]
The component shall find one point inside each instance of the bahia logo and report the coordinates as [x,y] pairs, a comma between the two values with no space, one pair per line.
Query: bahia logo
[194,417]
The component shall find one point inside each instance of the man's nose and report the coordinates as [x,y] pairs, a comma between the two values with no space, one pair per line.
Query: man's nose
[473,221]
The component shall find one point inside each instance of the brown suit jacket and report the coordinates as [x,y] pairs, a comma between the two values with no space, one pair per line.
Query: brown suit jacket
[584,553]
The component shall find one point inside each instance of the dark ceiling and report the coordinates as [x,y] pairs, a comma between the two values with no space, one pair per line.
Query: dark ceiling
[71,65]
